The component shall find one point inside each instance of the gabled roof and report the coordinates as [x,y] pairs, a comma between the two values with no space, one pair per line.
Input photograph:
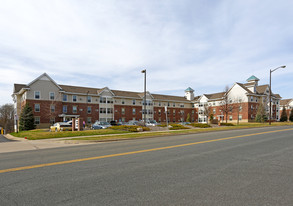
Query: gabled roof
[105,89]
[261,89]
[244,87]
[252,78]
[46,76]
[285,102]
[18,87]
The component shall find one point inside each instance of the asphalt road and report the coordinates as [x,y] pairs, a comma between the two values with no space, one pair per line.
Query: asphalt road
[219,168]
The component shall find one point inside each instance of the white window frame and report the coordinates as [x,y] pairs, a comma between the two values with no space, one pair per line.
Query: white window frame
[74,111]
[38,107]
[64,95]
[53,95]
[63,109]
[75,98]
[35,94]
[37,120]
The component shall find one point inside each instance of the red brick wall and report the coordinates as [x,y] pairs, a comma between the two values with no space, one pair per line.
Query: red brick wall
[45,111]
[128,112]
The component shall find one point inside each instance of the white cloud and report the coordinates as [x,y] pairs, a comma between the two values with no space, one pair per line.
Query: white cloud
[202,44]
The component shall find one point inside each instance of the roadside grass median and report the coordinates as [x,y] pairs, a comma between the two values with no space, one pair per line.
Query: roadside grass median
[45,134]
[118,132]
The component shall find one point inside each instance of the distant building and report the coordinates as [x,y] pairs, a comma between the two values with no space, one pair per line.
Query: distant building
[242,102]
[287,104]
[52,102]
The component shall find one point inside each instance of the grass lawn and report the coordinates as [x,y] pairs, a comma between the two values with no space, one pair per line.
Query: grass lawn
[102,134]
[45,134]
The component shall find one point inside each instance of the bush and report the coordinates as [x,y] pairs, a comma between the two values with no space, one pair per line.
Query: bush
[161,125]
[227,124]
[200,125]
[177,126]
[129,128]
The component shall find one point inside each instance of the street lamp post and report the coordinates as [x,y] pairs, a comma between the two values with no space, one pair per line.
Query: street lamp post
[144,97]
[270,94]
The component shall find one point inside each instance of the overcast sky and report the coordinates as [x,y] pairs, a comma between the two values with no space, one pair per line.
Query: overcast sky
[202,44]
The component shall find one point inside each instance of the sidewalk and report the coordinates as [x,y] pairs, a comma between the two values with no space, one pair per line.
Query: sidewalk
[21,144]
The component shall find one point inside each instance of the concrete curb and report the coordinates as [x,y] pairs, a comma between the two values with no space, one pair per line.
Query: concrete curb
[8,136]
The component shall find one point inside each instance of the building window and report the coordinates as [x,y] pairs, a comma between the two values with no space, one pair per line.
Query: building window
[37,120]
[174,112]
[74,98]
[109,111]
[64,98]
[89,110]
[133,111]
[123,110]
[159,104]
[174,105]
[64,109]
[89,120]
[159,112]
[102,99]
[168,104]
[103,110]
[240,108]
[74,109]
[52,108]
[181,105]
[251,99]
[89,99]
[240,117]
[37,107]
[37,95]
[214,111]
[133,101]
[230,118]
[52,95]
[109,100]
[123,101]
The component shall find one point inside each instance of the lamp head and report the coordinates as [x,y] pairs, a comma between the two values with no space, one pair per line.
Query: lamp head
[143,71]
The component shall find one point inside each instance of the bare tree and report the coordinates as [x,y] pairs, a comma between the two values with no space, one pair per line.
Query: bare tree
[207,111]
[224,104]
[238,106]
[7,117]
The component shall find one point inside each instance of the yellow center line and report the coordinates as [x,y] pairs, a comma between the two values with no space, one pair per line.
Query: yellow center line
[133,152]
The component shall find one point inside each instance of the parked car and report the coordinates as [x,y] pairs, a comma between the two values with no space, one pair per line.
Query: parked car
[184,123]
[113,123]
[100,125]
[61,126]
[132,122]
[151,123]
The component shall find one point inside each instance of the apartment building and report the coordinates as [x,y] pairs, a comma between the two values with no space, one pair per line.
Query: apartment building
[287,104]
[52,102]
[238,103]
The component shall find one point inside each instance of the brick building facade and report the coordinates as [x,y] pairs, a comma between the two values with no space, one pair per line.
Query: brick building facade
[52,102]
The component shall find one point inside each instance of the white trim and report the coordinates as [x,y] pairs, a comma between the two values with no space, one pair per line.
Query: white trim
[35,94]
